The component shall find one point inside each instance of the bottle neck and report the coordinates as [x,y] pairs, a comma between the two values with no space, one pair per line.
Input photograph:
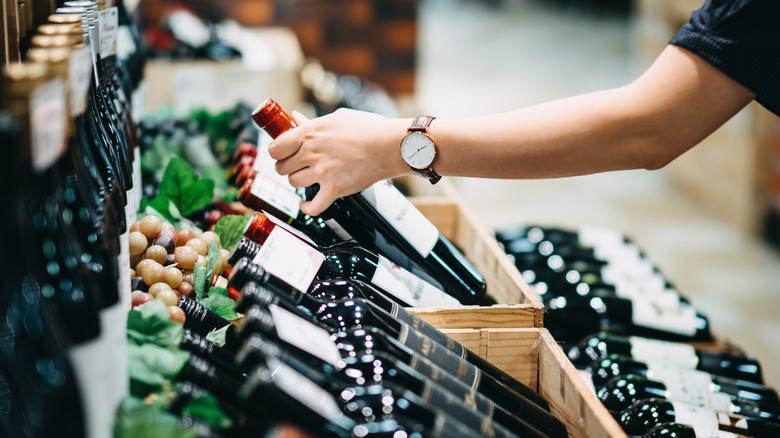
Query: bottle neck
[270,117]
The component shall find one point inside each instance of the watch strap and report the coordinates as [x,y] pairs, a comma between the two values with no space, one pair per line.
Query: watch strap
[421,124]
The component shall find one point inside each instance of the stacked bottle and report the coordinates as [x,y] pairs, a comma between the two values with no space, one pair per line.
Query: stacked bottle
[68,294]
[637,365]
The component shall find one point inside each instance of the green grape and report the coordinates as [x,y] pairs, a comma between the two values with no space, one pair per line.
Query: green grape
[138,243]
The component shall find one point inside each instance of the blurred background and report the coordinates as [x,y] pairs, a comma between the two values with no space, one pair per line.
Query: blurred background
[708,220]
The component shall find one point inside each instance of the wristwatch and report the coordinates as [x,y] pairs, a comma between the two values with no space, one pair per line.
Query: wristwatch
[419,150]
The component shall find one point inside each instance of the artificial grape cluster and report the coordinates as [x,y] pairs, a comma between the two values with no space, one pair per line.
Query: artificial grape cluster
[162,261]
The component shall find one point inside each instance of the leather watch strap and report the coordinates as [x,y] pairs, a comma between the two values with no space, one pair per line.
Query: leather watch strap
[429,174]
[421,123]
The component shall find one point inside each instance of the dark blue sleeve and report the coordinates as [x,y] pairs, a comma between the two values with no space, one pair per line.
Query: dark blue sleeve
[741,38]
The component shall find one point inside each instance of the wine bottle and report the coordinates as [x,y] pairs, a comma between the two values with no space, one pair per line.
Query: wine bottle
[615,365]
[677,430]
[203,321]
[644,415]
[283,253]
[383,221]
[619,393]
[601,345]
[348,314]
[276,392]
[289,329]
[378,368]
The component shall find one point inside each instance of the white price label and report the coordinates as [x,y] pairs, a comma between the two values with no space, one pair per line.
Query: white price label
[671,353]
[690,386]
[408,287]
[646,313]
[278,196]
[48,124]
[290,259]
[695,416]
[299,387]
[403,216]
[79,79]
[303,334]
[108,20]
[699,432]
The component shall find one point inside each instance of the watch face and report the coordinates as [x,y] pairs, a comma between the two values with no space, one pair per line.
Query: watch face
[418,150]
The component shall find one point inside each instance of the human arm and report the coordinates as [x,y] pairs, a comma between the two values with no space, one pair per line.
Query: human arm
[675,104]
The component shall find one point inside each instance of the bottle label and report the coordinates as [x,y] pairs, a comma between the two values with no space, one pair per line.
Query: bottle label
[305,335]
[646,313]
[695,416]
[698,396]
[276,195]
[108,20]
[426,329]
[297,233]
[694,387]
[297,386]
[408,287]
[671,353]
[699,432]
[125,44]
[79,79]
[448,361]
[403,216]
[48,124]
[290,259]
[339,230]
[124,287]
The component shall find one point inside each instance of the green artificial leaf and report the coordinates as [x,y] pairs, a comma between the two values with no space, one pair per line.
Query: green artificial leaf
[199,279]
[230,228]
[213,258]
[136,419]
[197,151]
[217,336]
[151,325]
[217,174]
[205,408]
[181,185]
[150,366]
[220,304]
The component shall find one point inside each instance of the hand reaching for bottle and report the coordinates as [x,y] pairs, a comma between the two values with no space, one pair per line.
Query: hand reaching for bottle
[344,152]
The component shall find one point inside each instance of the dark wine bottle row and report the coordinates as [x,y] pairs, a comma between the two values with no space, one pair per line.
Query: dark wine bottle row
[599,280]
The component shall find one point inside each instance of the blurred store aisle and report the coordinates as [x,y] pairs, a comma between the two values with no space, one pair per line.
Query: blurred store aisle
[476,59]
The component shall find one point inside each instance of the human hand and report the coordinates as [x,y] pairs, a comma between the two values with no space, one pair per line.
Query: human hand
[344,152]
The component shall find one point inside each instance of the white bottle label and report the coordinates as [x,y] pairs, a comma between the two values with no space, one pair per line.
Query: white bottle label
[288,228]
[339,230]
[408,287]
[402,215]
[305,335]
[79,79]
[276,195]
[108,20]
[699,432]
[646,313]
[671,353]
[124,282]
[695,416]
[694,387]
[299,387]
[290,259]
[48,124]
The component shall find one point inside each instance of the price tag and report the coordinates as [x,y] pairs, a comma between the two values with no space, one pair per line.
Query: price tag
[290,259]
[303,334]
[403,216]
[48,124]
[408,287]
[79,79]
[108,20]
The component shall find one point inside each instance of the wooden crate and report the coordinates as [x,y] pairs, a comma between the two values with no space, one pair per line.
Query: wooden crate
[504,283]
[532,357]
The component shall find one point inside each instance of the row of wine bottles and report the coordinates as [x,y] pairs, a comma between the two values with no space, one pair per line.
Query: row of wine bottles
[70,171]
[638,364]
